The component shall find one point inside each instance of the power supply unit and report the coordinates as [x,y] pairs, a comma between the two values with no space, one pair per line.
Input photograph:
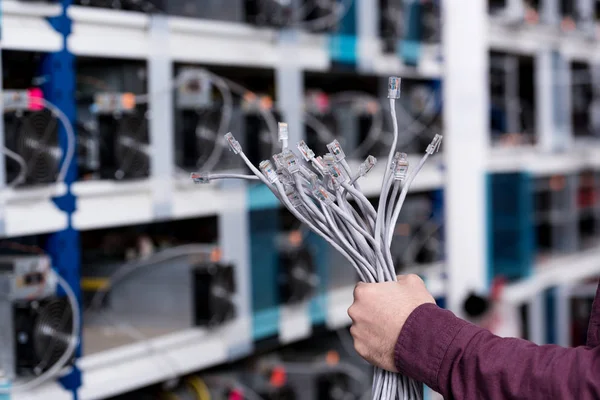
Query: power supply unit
[113,132]
[37,325]
[198,118]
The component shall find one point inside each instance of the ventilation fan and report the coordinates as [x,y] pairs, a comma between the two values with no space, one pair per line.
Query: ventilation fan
[32,133]
[43,330]
[132,147]
[122,140]
[198,142]
[298,278]
[275,13]
[391,24]
[37,326]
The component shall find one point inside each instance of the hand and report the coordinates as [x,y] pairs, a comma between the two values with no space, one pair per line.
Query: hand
[378,314]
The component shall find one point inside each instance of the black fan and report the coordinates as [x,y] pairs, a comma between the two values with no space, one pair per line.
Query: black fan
[132,149]
[297,278]
[214,289]
[34,136]
[43,332]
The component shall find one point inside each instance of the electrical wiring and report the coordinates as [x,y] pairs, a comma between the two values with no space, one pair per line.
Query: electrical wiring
[315,189]
[22,170]
[73,342]
[200,388]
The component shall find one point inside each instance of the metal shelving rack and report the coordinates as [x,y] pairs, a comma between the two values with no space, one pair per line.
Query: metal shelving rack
[161,41]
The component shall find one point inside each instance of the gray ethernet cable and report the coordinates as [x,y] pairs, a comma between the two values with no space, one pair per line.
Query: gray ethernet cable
[315,189]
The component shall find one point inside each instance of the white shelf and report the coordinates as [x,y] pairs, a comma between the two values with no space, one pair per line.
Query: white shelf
[430,65]
[108,33]
[31,211]
[134,366]
[562,270]
[125,34]
[46,391]
[530,39]
[25,27]
[528,159]
[104,204]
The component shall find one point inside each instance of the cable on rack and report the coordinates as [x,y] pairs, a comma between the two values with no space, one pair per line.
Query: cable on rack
[316,190]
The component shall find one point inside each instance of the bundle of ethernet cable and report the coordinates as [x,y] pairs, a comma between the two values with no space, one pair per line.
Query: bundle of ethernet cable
[318,190]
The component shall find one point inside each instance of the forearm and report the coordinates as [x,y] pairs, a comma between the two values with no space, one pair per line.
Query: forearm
[462,361]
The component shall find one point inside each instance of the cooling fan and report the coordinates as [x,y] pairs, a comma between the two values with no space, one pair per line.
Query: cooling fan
[40,330]
[33,135]
[132,148]
[43,330]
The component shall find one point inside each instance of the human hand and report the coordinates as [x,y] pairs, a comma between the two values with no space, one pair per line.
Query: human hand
[378,314]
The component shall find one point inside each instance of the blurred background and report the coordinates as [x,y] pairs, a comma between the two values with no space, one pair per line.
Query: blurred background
[215,291]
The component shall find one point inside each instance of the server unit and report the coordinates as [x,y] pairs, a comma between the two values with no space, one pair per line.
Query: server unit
[588,208]
[421,116]
[555,214]
[113,125]
[31,131]
[417,237]
[198,116]
[391,24]
[183,292]
[512,100]
[328,119]
[577,16]
[36,324]
[260,142]
[273,13]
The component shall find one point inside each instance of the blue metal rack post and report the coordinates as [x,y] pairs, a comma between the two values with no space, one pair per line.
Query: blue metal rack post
[59,88]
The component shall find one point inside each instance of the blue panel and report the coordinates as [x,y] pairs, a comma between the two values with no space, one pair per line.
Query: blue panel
[343,49]
[260,197]
[551,327]
[265,323]
[320,249]
[264,268]
[63,247]
[510,229]
[410,47]
[343,43]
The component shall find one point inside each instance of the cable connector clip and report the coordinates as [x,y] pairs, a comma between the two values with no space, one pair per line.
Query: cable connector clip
[313,179]
[434,145]
[200,177]
[268,171]
[338,176]
[336,149]
[400,166]
[394,87]
[367,165]
[234,145]
[306,151]
[329,160]
[283,131]
[290,161]
[320,165]
[293,196]
[322,195]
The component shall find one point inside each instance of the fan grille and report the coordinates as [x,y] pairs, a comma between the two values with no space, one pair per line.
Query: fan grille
[132,147]
[52,332]
[36,140]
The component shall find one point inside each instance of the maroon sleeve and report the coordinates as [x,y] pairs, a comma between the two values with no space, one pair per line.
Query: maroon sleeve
[462,361]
